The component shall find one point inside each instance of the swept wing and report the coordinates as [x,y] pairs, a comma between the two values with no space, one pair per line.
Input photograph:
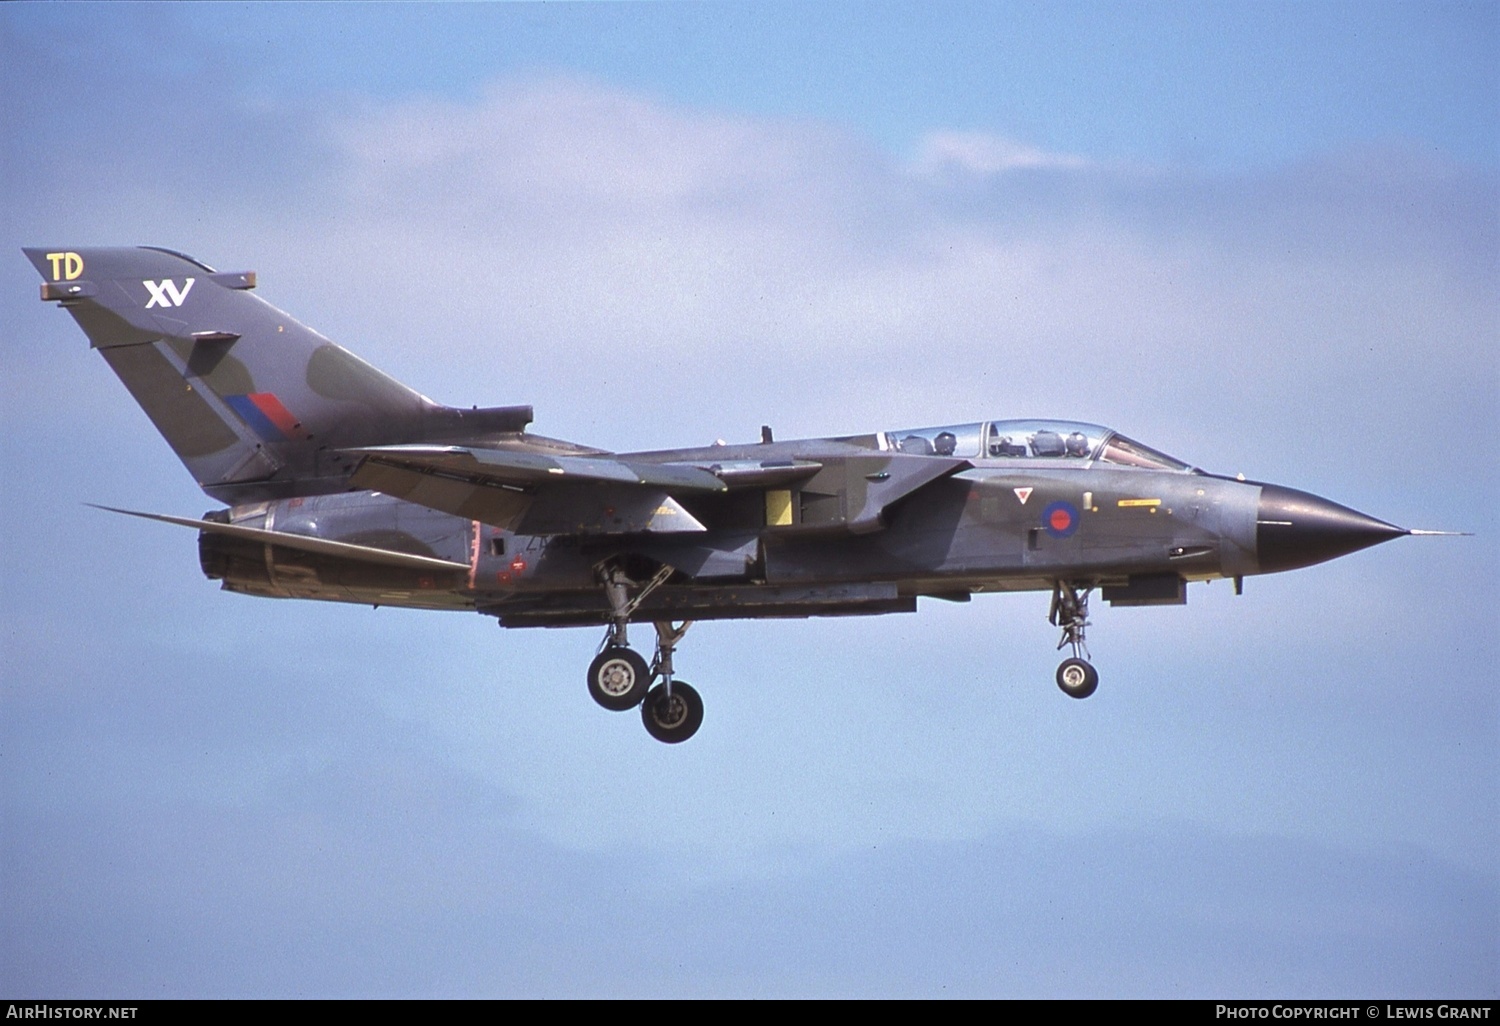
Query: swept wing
[541,493]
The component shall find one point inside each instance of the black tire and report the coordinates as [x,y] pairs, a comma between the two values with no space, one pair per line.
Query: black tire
[672,720]
[618,678]
[1077,678]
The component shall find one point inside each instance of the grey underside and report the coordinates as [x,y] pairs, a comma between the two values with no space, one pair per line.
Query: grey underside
[954,538]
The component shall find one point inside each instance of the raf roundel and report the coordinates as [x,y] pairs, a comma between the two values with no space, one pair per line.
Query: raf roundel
[1060,519]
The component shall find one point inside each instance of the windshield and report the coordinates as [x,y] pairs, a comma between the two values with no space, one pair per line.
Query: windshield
[1130,453]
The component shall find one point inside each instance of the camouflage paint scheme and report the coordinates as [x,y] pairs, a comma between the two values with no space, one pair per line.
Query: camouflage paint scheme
[343,484]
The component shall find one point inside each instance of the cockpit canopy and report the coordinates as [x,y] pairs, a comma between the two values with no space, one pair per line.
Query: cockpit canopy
[1061,440]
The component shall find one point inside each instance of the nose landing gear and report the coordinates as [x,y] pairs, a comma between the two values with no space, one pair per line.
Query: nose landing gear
[1070,611]
[1077,678]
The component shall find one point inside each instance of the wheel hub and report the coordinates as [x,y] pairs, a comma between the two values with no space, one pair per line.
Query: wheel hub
[616,678]
[670,712]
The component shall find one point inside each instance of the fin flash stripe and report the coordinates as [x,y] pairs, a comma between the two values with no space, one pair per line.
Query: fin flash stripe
[267,417]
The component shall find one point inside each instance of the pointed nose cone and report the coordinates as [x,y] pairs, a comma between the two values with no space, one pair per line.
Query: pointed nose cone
[1295,529]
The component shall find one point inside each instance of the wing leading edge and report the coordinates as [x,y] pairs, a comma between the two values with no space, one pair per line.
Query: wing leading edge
[537,494]
[543,494]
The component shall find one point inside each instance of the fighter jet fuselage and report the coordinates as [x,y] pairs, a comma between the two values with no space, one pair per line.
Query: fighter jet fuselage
[995,525]
[341,484]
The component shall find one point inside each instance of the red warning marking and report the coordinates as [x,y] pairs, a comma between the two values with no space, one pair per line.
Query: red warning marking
[474,551]
[518,565]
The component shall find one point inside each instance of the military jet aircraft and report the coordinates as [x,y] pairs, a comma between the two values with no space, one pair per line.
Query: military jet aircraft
[343,484]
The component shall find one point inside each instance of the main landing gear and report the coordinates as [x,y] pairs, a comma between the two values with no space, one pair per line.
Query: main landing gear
[1070,611]
[619,678]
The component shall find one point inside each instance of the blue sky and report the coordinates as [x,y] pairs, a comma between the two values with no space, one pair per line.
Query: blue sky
[1262,237]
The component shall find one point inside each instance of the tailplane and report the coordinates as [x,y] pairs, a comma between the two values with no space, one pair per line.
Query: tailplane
[255,404]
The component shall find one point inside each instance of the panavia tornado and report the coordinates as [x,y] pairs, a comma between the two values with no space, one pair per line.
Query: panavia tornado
[340,483]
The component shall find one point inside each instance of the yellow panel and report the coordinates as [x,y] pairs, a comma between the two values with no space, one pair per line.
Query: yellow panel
[1138,502]
[778,508]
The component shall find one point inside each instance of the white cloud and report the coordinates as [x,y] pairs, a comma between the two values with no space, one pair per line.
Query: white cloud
[980,153]
[652,274]
[649,275]
[728,267]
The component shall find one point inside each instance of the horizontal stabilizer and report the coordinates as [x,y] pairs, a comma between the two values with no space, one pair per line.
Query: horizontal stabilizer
[321,546]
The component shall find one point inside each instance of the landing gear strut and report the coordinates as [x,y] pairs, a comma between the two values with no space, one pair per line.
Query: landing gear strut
[619,678]
[1070,611]
[672,711]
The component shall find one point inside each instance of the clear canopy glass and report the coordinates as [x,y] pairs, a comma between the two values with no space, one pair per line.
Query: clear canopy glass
[1060,440]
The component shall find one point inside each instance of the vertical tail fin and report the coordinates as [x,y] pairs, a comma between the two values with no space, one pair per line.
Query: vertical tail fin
[255,404]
